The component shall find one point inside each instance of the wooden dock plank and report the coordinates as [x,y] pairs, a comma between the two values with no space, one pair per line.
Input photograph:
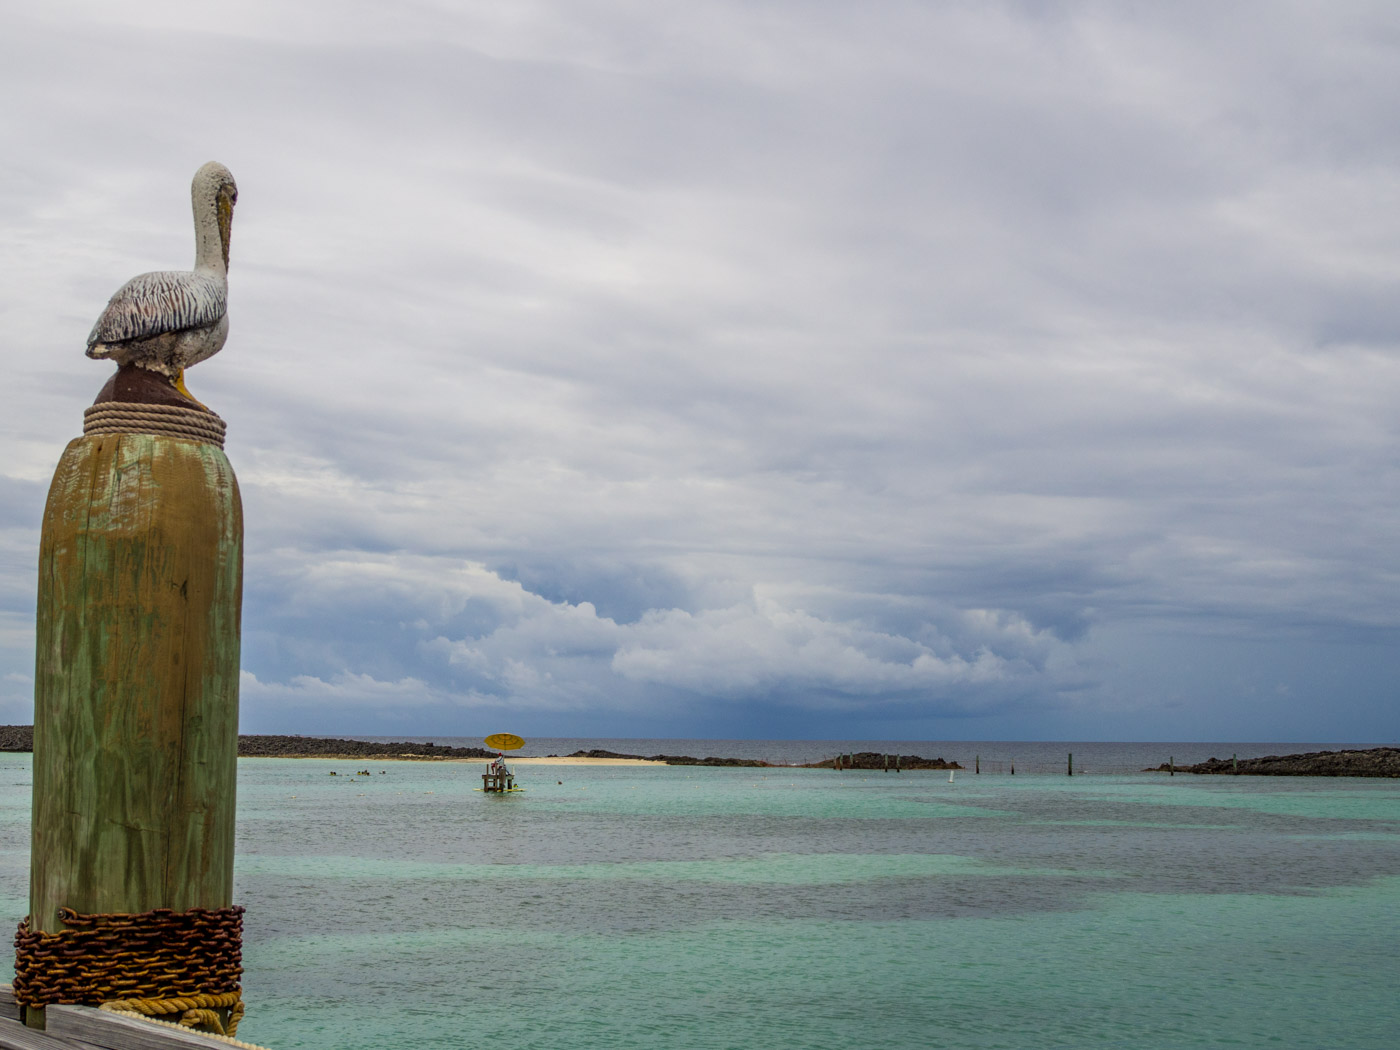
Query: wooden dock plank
[87,1024]
[87,1028]
[15,1036]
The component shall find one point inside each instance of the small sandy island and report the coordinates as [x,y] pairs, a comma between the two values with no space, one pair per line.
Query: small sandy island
[251,745]
[21,738]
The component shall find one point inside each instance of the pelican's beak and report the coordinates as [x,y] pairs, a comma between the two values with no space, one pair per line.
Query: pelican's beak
[225,202]
[180,386]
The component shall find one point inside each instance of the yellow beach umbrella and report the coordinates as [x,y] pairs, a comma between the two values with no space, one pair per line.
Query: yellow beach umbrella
[504,742]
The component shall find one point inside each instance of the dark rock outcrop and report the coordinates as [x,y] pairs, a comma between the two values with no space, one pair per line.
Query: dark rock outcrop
[21,738]
[862,760]
[1374,762]
[672,760]
[319,747]
[877,760]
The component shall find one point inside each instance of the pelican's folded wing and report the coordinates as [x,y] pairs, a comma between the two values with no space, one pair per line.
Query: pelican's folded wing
[166,301]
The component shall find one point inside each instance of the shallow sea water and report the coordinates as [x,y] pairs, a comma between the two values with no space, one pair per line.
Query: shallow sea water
[672,907]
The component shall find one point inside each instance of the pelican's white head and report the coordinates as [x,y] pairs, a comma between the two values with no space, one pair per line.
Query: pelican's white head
[213,195]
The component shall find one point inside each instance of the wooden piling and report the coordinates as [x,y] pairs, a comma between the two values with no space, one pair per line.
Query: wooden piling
[977,766]
[1171,766]
[136,679]
[497,783]
[1071,764]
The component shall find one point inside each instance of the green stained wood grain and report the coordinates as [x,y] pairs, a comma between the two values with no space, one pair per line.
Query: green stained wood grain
[136,679]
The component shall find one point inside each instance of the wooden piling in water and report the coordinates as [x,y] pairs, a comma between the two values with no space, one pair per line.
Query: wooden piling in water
[136,680]
[1071,764]
[497,783]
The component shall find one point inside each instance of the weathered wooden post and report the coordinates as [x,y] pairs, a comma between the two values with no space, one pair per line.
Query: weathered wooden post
[136,670]
[1071,765]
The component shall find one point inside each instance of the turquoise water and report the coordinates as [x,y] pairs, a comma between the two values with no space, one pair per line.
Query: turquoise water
[666,907]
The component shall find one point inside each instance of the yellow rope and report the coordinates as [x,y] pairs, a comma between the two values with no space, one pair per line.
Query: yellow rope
[121,417]
[209,1018]
[118,1006]
[194,1010]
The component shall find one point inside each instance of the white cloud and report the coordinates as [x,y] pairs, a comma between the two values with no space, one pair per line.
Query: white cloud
[763,647]
[358,689]
[473,638]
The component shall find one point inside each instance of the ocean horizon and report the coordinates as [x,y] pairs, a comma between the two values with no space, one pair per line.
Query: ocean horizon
[683,908]
[1029,756]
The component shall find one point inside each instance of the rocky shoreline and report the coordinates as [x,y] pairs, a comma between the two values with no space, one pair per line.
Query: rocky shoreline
[859,760]
[876,760]
[670,760]
[1373,762]
[21,738]
[254,746]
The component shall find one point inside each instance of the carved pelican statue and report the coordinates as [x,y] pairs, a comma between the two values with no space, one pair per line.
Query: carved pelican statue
[171,319]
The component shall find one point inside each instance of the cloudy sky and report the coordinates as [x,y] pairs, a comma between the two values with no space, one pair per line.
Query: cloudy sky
[798,368]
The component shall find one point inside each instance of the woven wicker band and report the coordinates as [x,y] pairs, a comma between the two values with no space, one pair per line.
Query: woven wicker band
[159,953]
[120,417]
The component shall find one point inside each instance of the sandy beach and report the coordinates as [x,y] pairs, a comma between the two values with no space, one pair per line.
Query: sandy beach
[550,760]
[563,760]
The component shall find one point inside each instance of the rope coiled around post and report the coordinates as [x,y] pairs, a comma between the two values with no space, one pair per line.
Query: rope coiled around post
[164,961]
[122,1008]
[122,417]
[194,1010]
